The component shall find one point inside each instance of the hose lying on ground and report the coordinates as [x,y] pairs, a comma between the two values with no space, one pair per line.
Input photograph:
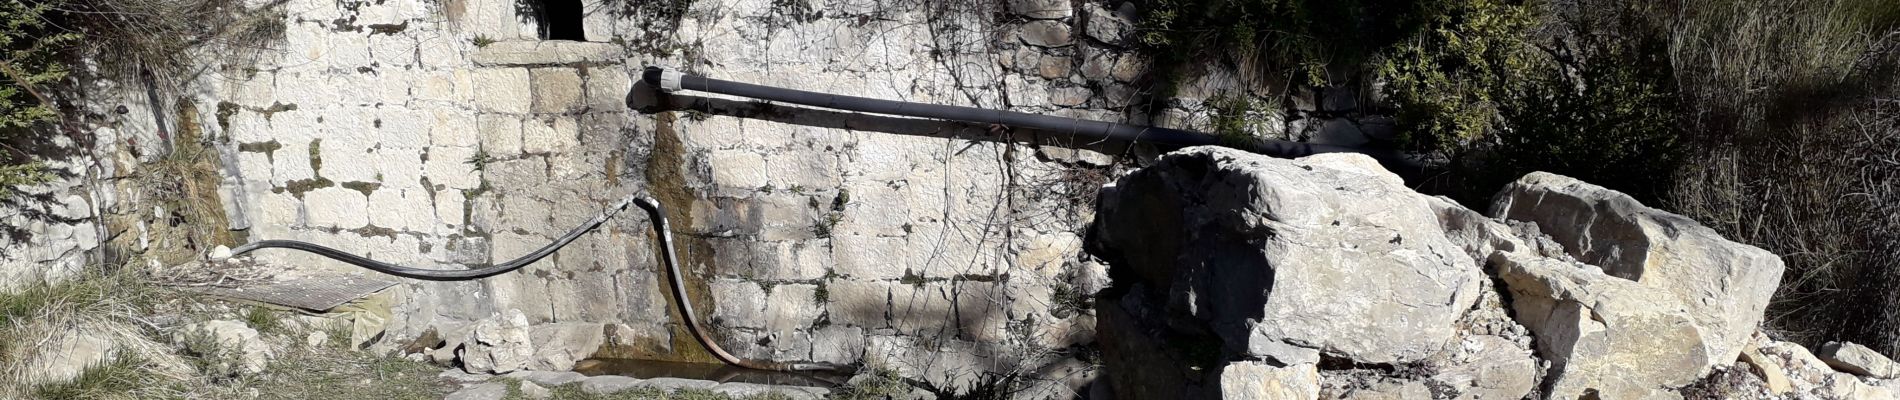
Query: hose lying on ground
[660,225]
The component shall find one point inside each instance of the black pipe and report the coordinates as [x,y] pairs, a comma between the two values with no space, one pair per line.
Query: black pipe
[669,80]
[661,227]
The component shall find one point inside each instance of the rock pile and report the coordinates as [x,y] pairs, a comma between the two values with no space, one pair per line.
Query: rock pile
[1244,276]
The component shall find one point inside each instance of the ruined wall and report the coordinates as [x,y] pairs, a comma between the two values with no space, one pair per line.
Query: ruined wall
[442,134]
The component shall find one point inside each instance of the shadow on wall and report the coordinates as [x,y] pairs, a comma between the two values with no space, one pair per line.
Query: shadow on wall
[947,335]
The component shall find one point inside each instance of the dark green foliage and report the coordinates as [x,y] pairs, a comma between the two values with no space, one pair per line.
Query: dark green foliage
[29,64]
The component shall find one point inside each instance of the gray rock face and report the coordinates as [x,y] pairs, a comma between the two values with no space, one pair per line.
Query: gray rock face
[1253,380]
[1233,271]
[1263,252]
[498,345]
[1723,285]
[1652,301]
[1858,360]
[1046,34]
[1042,9]
[1603,334]
[234,346]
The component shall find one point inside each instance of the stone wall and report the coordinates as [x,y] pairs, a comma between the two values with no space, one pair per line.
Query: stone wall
[443,135]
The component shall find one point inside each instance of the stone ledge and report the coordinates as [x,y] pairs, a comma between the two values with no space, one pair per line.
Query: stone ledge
[547,52]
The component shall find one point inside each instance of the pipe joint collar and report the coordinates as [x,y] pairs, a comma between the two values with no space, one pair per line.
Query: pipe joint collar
[670,79]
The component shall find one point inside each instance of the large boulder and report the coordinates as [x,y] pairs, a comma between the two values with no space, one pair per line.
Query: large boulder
[1286,259]
[1236,273]
[1603,334]
[1724,285]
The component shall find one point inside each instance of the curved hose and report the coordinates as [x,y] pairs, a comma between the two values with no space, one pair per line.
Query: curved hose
[660,225]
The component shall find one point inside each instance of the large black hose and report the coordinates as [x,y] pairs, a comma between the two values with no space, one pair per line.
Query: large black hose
[668,80]
[662,228]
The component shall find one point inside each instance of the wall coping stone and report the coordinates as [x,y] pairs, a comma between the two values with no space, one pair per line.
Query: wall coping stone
[547,52]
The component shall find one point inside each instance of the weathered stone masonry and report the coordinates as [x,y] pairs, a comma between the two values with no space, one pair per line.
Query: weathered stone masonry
[443,135]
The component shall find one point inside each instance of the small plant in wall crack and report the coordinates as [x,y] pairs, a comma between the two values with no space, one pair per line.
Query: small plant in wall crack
[483,41]
[480,159]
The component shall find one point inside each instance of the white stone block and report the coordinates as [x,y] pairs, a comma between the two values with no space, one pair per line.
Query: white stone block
[347,51]
[336,207]
[449,166]
[869,257]
[448,211]
[403,210]
[791,306]
[249,127]
[500,134]
[556,90]
[403,128]
[453,127]
[400,168]
[738,303]
[291,162]
[607,89]
[739,169]
[347,161]
[503,90]
[553,134]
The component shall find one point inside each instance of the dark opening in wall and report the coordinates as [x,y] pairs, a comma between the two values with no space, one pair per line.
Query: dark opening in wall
[560,20]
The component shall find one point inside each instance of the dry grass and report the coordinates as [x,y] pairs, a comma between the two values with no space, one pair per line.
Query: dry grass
[1790,126]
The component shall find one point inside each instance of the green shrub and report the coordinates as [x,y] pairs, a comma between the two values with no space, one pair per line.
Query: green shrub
[29,63]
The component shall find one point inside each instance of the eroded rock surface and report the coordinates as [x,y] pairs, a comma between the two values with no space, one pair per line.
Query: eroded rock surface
[1228,262]
[1231,261]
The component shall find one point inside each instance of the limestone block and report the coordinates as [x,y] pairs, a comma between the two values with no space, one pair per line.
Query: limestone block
[790,307]
[401,209]
[1255,380]
[249,127]
[837,344]
[235,347]
[927,309]
[453,127]
[982,310]
[1046,34]
[1604,334]
[857,303]
[346,160]
[559,345]
[607,89]
[403,128]
[738,303]
[1129,67]
[1054,68]
[449,216]
[336,207]
[346,52]
[1069,96]
[1222,224]
[291,162]
[1858,360]
[546,135]
[869,257]
[1108,26]
[503,90]
[545,52]
[500,134]
[788,170]
[1725,284]
[556,90]
[449,166]
[400,168]
[1042,9]
[499,344]
[738,169]
[392,51]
